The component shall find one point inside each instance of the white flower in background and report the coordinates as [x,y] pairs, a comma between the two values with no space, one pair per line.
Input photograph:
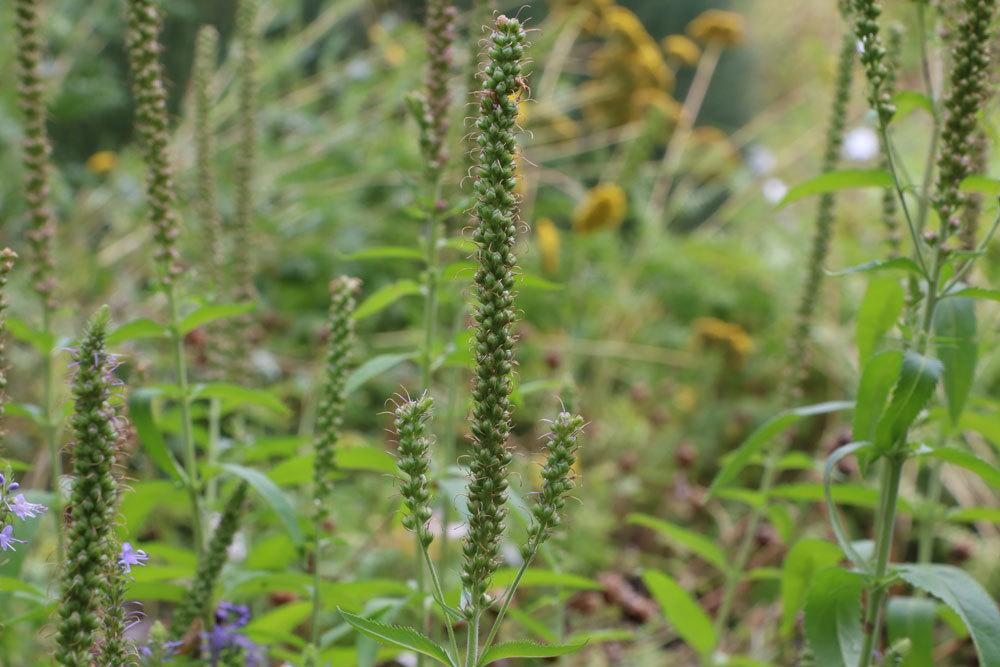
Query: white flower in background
[860,144]
[774,190]
[760,160]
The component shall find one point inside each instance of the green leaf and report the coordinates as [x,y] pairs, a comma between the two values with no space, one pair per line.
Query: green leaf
[967,598]
[804,560]
[973,293]
[987,472]
[271,494]
[877,379]
[843,538]
[398,636]
[955,341]
[373,368]
[528,281]
[880,309]
[833,617]
[974,514]
[688,618]
[385,296]
[913,619]
[834,181]
[238,396]
[763,436]
[137,329]
[908,101]
[42,341]
[278,624]
[140,409]
[11,585]
[206,314]
[685,539]
[385,252]
[983,185]
[526,649]
[535,578]
[370,459]
[894,264]
[917,379]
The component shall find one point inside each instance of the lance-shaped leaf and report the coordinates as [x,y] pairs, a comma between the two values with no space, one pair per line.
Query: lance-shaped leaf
[833,617]
[955,341]
[398,636]
[917,379]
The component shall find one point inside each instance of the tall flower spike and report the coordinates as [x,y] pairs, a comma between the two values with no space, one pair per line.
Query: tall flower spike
[967,92]
[7,257]
[343,291]
[557,479]
[36,149]
[873,57]
[496,211]
[890,219]
[95,493]
[440,29]
[414,464]
[978,162]
[205,55]
[151,122]
[243,265]
[197,603]
[799,344]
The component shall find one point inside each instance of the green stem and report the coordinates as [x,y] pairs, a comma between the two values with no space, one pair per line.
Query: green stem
[52,431]
[317,547]
[925,544]
[439,593]
[187,428]
[892,468]
[212,453]
[472,642]
[431,304]
[508,598]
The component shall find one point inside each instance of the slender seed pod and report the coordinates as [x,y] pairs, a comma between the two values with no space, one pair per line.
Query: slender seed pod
[7,257]
[197,603]
[343,293]
[414,465]
[874,58]
[205,55]
[967,92]
[890,206]
[557,479]
[496,211]
[36,150]
[799,342]
[440,29]
[242,257]
[151,121]
[978,162]
[95,492]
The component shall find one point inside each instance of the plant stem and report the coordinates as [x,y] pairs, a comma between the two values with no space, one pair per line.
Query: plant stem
[472,650]
[508,598]
[433,232]
[317,546]
[212,453]
[187,429]
[892,468]
[439,593]
[52,437]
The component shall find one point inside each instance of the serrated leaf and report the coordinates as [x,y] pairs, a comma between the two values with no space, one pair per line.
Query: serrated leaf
[987,472]
[373,368]
[879,311]
[763,435]
[917,379]
[140,409]
[136,330]
[894,264]
[833,617]
[686,539]
[966,597]
[682,611]
[804,560]
[206,314]
[834,181]
[526,649]
[913,619]
[271,494]
[385,296]
[955,343]
[878,376]
[385,252]
[398,636]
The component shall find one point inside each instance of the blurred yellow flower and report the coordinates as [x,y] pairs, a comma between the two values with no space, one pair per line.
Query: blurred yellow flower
[732,338]
[604,208]
[647,98]
[102,162]
[682,48]
[718,26]
[548,244]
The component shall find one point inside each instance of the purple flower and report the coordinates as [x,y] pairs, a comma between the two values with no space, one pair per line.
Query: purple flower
[25,510]
[7,489]
[224,640]
[130,557]
[167,649]
[232,615]
[7,539]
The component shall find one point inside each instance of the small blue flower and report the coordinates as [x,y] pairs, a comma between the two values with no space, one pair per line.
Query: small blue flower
[7,539]
[25,510]
[131,556]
